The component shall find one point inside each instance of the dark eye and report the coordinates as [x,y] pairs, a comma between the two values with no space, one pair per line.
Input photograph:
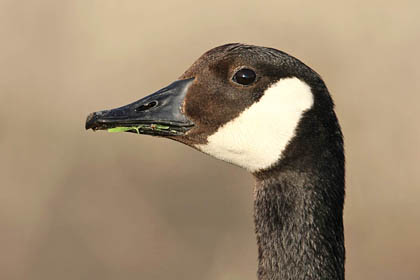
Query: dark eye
[244,77]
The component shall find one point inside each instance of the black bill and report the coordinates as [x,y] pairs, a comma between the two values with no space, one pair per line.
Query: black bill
[157,114]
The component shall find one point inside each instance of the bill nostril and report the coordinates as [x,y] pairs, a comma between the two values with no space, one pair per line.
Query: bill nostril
[146,106]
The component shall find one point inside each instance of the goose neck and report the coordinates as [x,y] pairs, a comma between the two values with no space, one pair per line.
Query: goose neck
[299,226]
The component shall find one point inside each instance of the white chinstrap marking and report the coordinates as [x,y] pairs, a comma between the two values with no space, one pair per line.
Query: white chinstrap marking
[256,139]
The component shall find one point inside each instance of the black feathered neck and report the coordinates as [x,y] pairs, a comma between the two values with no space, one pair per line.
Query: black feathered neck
[299,227]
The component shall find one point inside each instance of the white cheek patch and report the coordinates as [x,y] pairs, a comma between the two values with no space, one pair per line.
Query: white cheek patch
[256,139]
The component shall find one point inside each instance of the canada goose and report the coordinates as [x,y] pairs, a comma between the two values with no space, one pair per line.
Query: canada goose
[265,111]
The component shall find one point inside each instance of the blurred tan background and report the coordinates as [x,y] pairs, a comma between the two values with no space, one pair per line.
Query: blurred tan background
[81,205]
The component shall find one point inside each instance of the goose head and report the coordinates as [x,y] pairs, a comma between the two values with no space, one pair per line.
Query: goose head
[239,103]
